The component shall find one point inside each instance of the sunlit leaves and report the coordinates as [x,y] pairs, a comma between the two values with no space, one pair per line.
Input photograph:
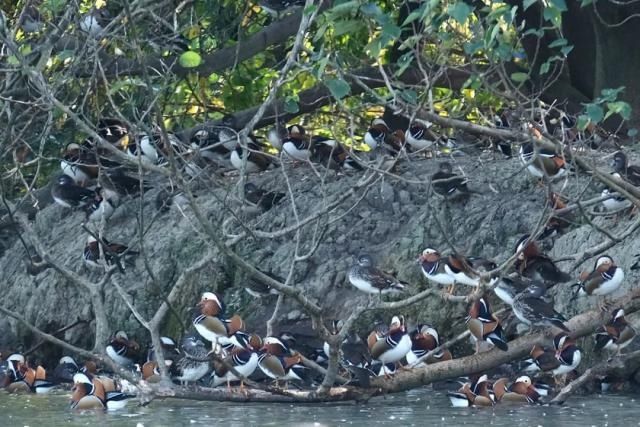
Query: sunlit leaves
[190,59]
[460,11]
[338,88]
[519,77]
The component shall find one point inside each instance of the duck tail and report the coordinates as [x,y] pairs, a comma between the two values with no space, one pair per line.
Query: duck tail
[498,340]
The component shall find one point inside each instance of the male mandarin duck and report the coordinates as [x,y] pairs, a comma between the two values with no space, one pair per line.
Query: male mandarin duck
[394,345]
[79,162]
[331,154]
[521,391]
[22,378]
[67,194]
[567,353]
[535,265]
[419,137]
[616,334]
[466,396]
[425,338]
[485,326]
[66,369]
[112,252]
[448,184]
[243,360]
[89,393]
[454,268]
[211,324]
[545,164]
[542,359]
[558,223]
[605,278]
[151,372]
[377,133]
[257,159]
[277,361]
[297,144]
[122,350]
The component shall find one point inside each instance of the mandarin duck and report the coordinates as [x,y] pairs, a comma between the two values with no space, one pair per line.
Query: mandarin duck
[211,324]
[616,334]
[367,278]
[297,145]
[605,279]
[261,198]
[485,326]
[122,350]
[448,184]
[521,391]
[629,173]
[67,194]
[257,159]
[424,339]
[567,353]
[545,164]
[194,363]
[79,162]
[419,137]
[531,309]
[394,345]
[535,265]
[244,360]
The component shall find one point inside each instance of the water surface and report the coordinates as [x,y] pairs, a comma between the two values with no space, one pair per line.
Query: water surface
[415,408]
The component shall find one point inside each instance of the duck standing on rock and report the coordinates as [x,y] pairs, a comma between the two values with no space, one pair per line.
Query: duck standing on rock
[67,194]
[630,173]
[605,279]
[297,145]
[543,164]
[535,265]
[364,276]
[448,184]
[420,138]
[257,159]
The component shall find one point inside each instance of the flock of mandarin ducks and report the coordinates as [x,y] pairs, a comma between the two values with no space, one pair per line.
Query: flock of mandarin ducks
[282,358]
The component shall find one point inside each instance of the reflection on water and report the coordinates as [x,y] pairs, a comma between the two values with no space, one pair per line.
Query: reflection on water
[415,408]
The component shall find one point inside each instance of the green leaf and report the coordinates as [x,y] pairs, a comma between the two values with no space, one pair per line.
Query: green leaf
[565,50]
[544,68]
[526,4]
[190,59]
[552,15]
[347,26]
[611,94]
[595,113]
[619,107]
[583,122]
[558,43]
[519,77]
[291,106]
[632,132]
[561,5]
[338,87]
[371,9]
[460,11]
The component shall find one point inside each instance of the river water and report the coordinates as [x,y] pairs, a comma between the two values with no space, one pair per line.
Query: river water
[415,408]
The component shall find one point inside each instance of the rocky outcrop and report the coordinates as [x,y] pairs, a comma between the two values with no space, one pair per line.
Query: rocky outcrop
[393,220]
